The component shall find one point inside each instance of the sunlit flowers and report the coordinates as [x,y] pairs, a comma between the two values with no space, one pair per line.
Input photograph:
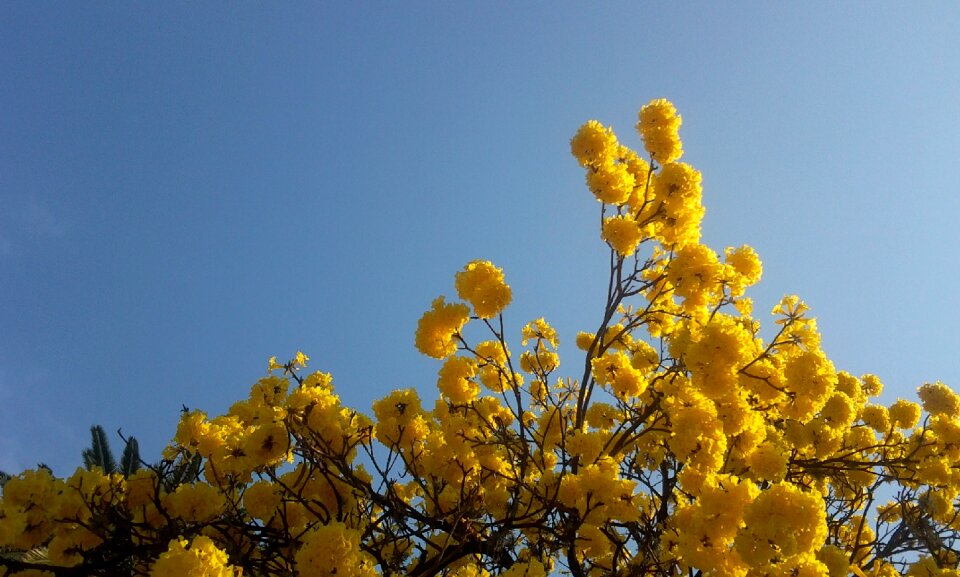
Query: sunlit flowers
[678,437]
[659,125]
[622,233]
[482,285]
[593,144]
[438,326]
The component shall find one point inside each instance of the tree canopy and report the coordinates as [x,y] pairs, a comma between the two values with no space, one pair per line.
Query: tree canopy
[679,442]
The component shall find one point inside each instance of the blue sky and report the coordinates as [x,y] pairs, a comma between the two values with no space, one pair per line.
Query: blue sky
[189,188]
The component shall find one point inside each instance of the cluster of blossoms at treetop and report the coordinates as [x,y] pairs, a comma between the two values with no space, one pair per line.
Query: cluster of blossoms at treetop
[679,441]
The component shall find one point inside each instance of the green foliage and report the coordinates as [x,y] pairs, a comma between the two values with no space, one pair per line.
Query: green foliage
[130,460]
[100,455]
[181,471]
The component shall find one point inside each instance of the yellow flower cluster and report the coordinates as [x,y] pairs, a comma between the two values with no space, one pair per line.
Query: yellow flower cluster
[622,233]
[333,551]
[784,525]
[594,144]
[39,509]
[938,399]
[696,274]
[611,183]
[196,503]
[438,327]
[611,175]
[616,370]
[456,380]
[401,421]
[677,193]
[746,266]
[540,329]
[663,205]
[199,558]
[659,125]
[481,284]
[26,525]
[702,534]
[493,370]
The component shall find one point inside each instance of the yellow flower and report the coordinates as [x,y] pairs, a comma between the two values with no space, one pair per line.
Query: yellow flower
[267,445]
[938,399]
[677,185]
[469,570]
[904,414]
[838,411]
[611,182]
[782,522]
[491,352]
[333,551]
[746,265]
[197,503]
[541,361]
[438,326]
[695,274]
[67,547]
[456,380]
[659,126]
[300,359]
[876,417]
[192,427]
[810,376]
[261,500]
[268,391]
[872,385]
[603,416]
[837,560]
[697,435]
[852,387]
[622,233]
[716,353]
[142,488]
[400,419]
[768,463]
[616,370]
[593,144]
[492,367]
[586,445]
[540,329]
[481,284]
[585,340]
[201,559]
[640,169]
[644,357]
[24,521]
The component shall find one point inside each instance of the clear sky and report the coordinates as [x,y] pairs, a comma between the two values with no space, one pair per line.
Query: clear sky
[189,188]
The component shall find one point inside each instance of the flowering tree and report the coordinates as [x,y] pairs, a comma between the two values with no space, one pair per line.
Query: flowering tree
[683,442]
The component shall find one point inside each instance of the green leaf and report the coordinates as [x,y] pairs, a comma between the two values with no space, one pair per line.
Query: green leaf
[130,460]
[186,470]
[99,453]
